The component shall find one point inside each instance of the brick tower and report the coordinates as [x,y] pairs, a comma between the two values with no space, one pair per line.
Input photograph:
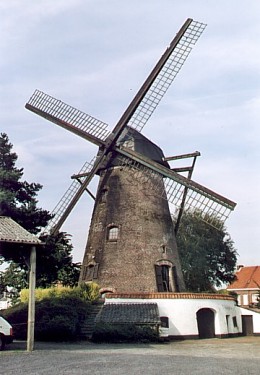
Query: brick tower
[131,245]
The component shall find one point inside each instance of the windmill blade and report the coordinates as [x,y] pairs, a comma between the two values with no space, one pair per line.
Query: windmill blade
[165,72]
[213,205]
[148,97]
[68,117]
[70,198]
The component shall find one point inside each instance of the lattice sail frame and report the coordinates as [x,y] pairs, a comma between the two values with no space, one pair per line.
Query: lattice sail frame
[214,210]
[166,76]
[54,109]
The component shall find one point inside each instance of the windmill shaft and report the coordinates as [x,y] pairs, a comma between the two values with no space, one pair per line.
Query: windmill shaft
[165,172]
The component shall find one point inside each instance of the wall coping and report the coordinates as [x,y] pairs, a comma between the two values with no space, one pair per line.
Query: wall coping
[155,295]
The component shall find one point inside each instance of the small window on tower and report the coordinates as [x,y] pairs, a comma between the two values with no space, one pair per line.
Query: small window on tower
[91,272]
[103,198]
[112,234]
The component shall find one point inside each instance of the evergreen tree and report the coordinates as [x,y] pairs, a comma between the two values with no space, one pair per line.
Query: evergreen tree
[18,200]
[208,256]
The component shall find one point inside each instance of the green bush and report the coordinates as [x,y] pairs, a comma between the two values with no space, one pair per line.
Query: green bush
[56,318]
[124,333]
[86,292]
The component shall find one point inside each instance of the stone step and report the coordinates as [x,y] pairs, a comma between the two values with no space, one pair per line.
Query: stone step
[89,324]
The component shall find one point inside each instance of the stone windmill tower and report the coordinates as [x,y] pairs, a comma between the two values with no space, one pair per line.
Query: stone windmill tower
[131,244]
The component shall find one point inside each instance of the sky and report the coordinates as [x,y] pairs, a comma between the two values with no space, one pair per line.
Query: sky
[95,54]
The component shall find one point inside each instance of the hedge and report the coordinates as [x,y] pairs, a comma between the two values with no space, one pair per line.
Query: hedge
[118,333]
[59,312]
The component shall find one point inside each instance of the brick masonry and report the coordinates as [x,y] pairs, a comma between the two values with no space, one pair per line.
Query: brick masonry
[126,199]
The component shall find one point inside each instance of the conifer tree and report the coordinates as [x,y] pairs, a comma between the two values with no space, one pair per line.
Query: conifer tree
[17,197]
[18,200]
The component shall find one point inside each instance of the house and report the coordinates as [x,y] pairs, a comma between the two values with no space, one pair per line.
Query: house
[181,315]
[246,285]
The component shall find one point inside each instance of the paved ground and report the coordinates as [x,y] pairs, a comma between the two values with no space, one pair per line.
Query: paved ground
[213,356]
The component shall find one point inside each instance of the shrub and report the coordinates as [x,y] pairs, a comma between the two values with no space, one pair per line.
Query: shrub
[85,292]
[56,318]
[124,333]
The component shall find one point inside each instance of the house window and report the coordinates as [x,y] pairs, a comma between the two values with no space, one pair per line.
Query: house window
[164,322]
[228,321]
[254,298]
[234,318]
[112,234]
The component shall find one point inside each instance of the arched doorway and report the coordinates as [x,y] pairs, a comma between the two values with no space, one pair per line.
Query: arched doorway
[206,323]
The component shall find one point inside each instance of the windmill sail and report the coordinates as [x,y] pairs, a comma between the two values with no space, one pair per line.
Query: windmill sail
[168,66]
[212,205]
[68,117]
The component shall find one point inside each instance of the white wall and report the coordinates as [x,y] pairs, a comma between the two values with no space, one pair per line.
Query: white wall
[256,318]
[182,314]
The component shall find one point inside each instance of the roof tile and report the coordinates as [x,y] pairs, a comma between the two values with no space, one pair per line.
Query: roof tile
[10,231]
[123,313]
[246,278]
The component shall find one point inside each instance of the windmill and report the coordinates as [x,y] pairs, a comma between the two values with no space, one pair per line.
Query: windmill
[131,243]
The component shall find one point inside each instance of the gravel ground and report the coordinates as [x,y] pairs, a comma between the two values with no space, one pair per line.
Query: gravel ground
[213,356]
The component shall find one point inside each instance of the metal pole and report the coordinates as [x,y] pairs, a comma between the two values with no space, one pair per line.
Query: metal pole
[31,305]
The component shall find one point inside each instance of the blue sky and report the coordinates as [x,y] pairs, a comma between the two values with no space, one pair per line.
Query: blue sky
[94,55]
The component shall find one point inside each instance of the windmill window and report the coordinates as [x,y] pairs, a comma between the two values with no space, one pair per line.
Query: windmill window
[103,198]
[164,250]
[163,278]
[166,277]
[91,272]
[112,234]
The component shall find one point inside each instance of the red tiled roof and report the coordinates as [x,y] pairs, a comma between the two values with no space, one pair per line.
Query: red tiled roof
[160,295]
[247,278]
